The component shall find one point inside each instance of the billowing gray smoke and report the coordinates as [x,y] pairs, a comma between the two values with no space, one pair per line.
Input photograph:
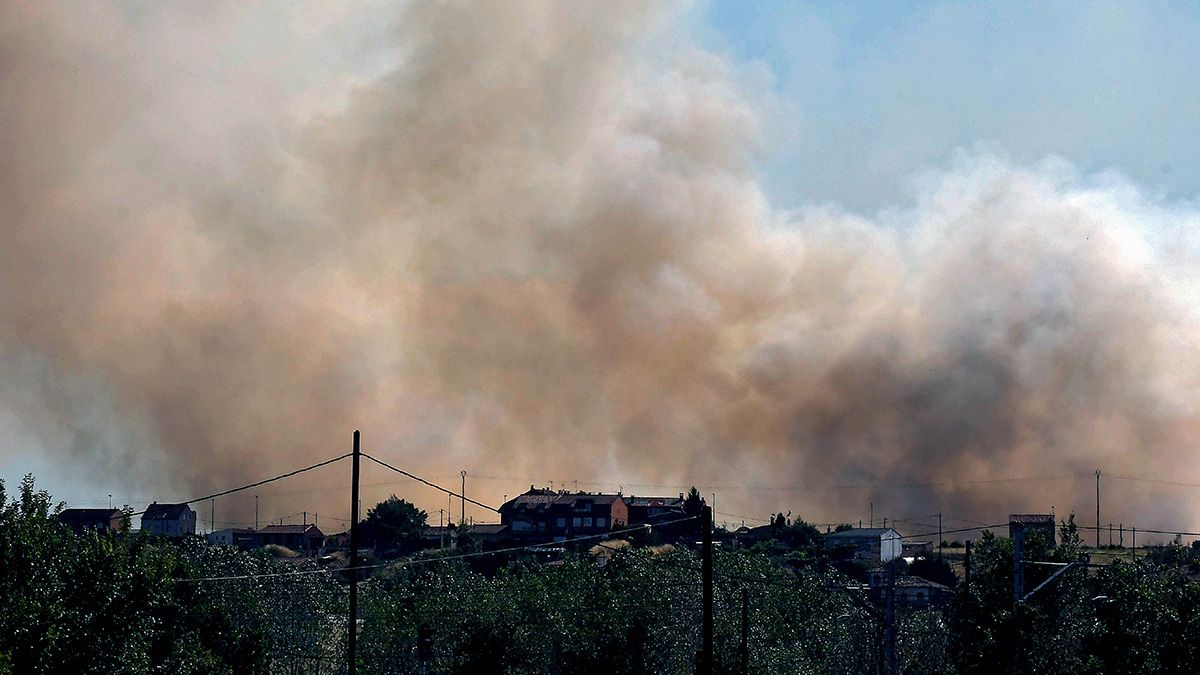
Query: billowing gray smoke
[528,239]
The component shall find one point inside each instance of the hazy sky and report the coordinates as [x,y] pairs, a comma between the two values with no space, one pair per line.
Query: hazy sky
[727,242]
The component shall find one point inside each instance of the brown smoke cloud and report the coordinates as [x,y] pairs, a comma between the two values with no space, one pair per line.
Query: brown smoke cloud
[529,239]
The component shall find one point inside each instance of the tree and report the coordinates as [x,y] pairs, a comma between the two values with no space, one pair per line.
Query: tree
[934,569]
[693,503]
[394,526]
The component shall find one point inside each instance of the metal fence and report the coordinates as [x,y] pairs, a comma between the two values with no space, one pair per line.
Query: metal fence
[574,617]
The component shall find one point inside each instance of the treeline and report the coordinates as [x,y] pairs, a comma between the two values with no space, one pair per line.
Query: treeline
[115,602]
[108,602]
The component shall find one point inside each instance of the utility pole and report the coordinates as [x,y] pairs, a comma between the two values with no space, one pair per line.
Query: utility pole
[462,514]
[1097,509]
[352,636]
[212,516]
[967,568]
[706,574]
[306,519]
[940,534]
[441,529]
[872,514]
[256,513]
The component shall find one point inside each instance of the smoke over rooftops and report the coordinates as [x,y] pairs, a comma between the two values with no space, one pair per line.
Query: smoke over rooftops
[531,236]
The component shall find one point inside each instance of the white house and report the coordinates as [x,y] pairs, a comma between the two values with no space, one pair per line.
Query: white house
[873,543]
[169,520]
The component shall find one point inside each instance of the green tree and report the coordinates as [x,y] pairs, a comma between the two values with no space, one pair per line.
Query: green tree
[394,526]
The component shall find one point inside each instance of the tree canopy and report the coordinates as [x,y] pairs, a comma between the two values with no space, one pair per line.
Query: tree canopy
[394,526]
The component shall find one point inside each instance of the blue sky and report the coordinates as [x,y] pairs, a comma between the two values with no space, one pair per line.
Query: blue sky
[871,93]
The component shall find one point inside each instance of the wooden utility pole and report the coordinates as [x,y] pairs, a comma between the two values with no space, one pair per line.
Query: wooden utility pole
[352,635]
[967,568]
[706,600]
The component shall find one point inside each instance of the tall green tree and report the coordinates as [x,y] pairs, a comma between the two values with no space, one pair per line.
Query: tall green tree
[394,526]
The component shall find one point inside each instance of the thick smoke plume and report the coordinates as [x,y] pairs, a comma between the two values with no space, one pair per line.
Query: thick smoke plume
[528,239]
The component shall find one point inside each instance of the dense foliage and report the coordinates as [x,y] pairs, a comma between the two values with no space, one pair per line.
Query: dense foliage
[393,527]
[114,602]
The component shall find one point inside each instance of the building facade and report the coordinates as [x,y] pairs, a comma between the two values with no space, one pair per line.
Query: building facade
[867,543]
[562,515]
[92,519]
[169,520]
[306,539]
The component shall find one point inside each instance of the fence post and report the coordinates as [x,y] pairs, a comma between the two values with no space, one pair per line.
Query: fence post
[889,622]
[744,651]
[424,647]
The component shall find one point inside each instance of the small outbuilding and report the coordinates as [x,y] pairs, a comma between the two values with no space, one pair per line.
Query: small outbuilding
[306,539]
[1029,523]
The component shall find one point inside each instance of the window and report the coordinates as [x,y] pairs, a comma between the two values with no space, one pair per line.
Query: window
[584,506]
[575,521]
[587,522]
[521,526]
[560,522]
[601,522]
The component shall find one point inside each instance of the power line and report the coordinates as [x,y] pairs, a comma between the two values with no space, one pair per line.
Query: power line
[432,485]
[944,532]
[735,515]
[809,486]
[1160,481]
[254,485]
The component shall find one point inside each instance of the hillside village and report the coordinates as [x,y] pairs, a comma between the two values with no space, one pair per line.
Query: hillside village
[548,524]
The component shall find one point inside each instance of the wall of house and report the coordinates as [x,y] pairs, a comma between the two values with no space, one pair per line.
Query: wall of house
[620,514]
[890,546]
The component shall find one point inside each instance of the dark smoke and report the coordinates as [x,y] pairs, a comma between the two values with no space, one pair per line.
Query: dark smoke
[528,239]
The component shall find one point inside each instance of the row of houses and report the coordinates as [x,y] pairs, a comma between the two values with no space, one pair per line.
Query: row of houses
[179,520]
[166,520]
[556,516]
